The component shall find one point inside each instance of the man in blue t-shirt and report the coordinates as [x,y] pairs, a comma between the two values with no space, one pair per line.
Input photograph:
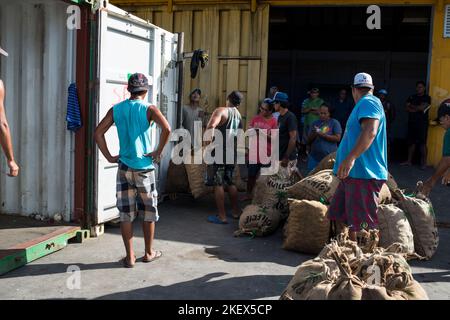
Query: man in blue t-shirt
[361,161]
[324,135]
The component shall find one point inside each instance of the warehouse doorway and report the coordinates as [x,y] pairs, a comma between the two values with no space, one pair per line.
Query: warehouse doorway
[325,46]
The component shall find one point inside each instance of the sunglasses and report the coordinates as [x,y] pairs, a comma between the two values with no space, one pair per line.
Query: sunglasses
[264,109]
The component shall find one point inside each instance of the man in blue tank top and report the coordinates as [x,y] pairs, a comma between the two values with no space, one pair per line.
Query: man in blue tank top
[136,186]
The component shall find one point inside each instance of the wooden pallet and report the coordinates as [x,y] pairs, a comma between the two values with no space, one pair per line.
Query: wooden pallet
[23,253]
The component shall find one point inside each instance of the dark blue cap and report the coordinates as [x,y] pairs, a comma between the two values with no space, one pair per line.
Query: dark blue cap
[280,97]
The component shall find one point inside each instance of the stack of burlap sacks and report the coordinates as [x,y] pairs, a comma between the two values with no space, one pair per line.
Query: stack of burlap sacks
[270,203]
[407,229]
[344,270]
[402,219]
[190,179]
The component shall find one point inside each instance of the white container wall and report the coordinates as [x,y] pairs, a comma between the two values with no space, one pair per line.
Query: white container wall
[37,74]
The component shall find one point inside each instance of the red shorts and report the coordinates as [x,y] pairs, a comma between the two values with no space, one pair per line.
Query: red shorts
[355,203]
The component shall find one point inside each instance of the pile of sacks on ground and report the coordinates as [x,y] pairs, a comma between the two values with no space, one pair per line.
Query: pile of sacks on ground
[303,205]
[348,270]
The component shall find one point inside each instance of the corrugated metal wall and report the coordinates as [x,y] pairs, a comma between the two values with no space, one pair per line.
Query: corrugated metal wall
[37,74]
[237,42]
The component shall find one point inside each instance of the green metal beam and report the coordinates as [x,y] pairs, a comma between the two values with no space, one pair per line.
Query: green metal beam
[14,258]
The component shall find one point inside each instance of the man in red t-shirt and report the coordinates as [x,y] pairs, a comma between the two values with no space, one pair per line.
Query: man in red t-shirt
[265,121]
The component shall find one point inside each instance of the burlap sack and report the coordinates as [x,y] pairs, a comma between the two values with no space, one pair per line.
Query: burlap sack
[307,227]
[404,284]
[326,163]
[374,292]
[394,227]
[196,175]
[177,179]
[308,275]
[258,221]
[385,195]
[320,291]
[421,218]
[271,191]
[391,183]
[347,286]
[319,187]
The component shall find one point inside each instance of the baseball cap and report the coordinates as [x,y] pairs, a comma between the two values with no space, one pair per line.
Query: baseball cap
[363,80]
[444,109]
[280,97]
[196,90]
[3,52]
[383,91]
[268,101]
[137,82]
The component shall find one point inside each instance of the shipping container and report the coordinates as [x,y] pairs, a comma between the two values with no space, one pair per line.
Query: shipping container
[63,171]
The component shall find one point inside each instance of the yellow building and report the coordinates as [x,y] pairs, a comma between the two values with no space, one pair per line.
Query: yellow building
[294,45]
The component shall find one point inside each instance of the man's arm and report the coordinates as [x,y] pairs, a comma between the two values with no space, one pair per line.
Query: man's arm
[99,136]
[369,128]
[5,136]
[442,168]
[216,118]
[410,107]
[154,114]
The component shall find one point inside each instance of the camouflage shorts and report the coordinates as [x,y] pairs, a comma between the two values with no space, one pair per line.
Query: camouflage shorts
[219,175]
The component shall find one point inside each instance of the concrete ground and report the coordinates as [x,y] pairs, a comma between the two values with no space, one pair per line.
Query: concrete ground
[200,260]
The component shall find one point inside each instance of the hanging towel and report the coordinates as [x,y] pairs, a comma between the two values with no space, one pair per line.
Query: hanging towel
[73,117]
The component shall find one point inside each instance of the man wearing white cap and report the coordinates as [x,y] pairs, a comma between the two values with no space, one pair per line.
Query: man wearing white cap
[361,161]
[5,134]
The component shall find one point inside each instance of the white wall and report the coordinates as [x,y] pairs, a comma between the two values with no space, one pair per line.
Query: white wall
[36,74]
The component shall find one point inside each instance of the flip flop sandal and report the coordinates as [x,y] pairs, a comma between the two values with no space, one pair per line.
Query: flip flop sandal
[158,254]
[216,220]
[126,264]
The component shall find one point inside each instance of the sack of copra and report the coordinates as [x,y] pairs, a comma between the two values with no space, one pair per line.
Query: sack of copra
[196,175]
[258,221]
[385,195]
[319,187]
[394,227]
[308,275]
[271,191]
[325,164]
[307,228]
[177,179]
[422,220]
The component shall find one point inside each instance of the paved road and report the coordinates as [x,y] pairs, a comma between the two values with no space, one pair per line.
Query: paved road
[200,261]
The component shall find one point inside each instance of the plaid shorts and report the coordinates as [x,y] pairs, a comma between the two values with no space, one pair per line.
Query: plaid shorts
[136,194]
[355,203]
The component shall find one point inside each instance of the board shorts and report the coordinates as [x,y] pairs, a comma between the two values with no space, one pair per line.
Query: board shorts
[136,194]
[355,203]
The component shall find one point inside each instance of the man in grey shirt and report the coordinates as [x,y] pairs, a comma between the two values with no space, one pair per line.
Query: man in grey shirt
[191,113]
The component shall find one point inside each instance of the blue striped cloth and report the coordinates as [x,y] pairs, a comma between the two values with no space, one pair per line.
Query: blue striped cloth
[73,116]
